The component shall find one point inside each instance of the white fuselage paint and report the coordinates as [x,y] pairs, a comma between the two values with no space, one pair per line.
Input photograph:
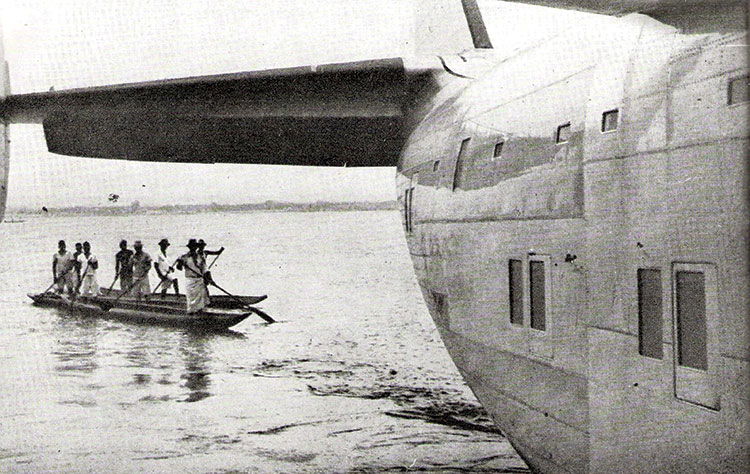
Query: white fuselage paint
[665,190]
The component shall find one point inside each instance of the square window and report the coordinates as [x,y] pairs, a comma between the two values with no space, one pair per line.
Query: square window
[563,133]
[609,120]
[739,90]
[498,149]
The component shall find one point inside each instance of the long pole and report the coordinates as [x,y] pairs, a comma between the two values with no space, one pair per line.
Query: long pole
[260,313]
[117,275]
[106,305]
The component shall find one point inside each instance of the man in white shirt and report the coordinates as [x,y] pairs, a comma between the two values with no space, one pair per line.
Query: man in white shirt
[63,269]
[88,264]
[163,267]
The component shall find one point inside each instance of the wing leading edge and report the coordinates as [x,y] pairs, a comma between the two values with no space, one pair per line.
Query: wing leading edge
[333,115]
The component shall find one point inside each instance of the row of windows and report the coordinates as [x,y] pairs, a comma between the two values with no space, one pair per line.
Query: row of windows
[610,120]
[738,92]
[690,301]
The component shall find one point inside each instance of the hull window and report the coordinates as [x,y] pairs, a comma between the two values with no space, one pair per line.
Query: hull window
[537,296]
[739,90]
[691,319]
[441,309]
[408,199]
[515,289]
[458,174]
[650,313]
[609,120]
[436,165]
[498,150]
[563,133]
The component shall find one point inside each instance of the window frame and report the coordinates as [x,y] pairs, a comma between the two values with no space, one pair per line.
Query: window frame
[604,120]
[546,261]
[520,310]
[684,357]
[729,90]
[641,338]
[561,127]
[498,154]
[459,168]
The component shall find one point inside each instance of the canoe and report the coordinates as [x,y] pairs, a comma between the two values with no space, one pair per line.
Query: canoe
[152,313]
[217,301]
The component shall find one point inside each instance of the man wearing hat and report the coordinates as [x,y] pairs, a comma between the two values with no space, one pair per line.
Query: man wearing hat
[164,269]
[195,286]
[141,266]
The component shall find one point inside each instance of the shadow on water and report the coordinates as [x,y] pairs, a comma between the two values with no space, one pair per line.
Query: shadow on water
[433,404]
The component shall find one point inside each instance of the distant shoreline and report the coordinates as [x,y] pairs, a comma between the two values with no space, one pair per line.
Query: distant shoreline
[135,208]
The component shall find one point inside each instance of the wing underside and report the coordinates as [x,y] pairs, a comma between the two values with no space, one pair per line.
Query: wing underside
[621,7]
[348,114]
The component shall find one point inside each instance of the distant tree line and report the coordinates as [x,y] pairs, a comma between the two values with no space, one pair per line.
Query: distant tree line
[136,208]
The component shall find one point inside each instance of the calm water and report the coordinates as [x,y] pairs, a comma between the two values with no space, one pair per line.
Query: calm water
[353,378]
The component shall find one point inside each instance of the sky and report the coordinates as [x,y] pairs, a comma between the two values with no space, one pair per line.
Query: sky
[80,43]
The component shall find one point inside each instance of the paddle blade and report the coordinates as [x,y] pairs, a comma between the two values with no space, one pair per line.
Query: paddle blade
[262,314]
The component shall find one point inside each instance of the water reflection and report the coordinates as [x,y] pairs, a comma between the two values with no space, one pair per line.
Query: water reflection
[76,345]
[196,357]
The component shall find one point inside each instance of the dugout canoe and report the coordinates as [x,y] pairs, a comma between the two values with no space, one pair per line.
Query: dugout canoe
[217,301]
[140,312]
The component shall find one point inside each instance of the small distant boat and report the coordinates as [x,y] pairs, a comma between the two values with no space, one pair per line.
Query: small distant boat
[13,221]
[170,313]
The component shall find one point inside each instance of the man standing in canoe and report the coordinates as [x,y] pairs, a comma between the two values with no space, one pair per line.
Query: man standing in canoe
[64,269]
[195,286]
[124,266]
[141,266]
[87,264]
[164,269]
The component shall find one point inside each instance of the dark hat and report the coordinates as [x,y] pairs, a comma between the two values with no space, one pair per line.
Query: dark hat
[192,243]
[201,243]
[164,241]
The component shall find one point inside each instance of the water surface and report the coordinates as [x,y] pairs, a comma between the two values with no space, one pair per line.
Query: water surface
[352,378]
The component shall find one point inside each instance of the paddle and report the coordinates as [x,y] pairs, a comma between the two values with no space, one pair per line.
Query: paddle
[260,313]
[117,275]
[107,305]
[221,251]
[56,280]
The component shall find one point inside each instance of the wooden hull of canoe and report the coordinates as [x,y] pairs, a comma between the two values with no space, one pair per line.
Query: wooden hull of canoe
[217,301]
[211,319]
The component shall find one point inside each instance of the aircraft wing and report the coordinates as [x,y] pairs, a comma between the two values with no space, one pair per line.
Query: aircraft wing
[620,7]
[349,114]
